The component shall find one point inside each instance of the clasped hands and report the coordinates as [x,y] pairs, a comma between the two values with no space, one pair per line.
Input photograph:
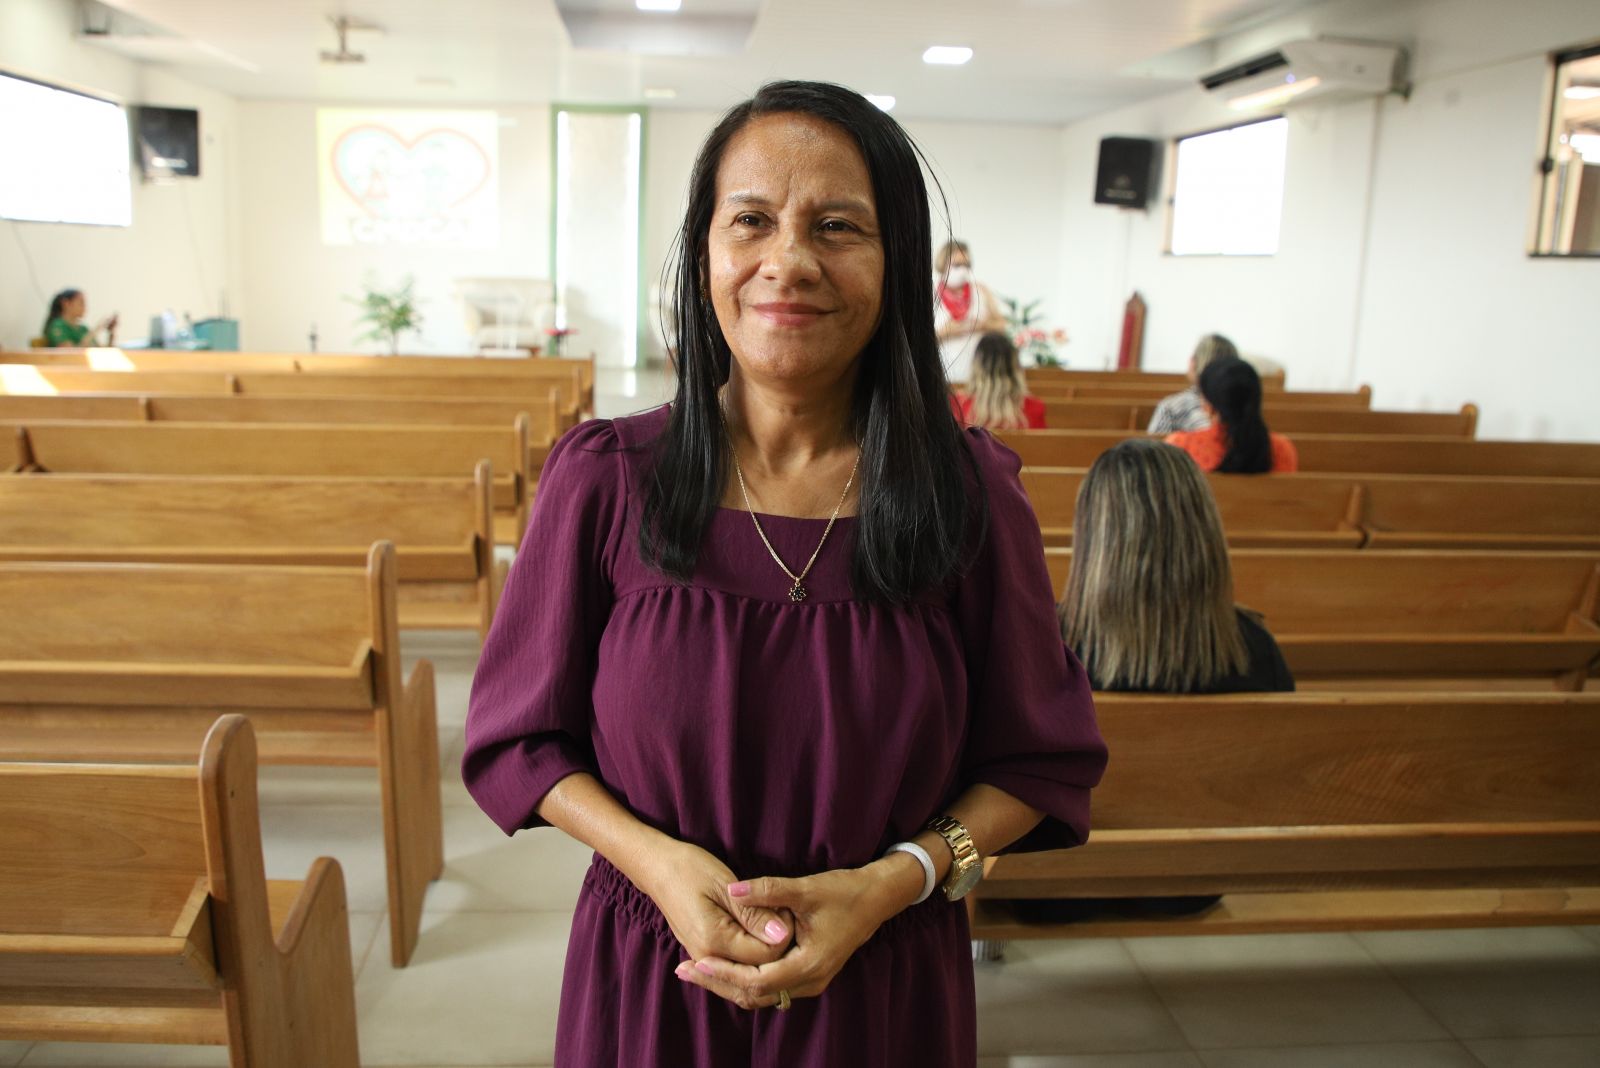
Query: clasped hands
[747,940]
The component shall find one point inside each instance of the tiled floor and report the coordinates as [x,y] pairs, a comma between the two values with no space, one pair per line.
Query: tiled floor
[483,987]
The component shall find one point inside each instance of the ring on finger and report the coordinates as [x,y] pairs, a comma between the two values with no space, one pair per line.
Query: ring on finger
[784,1001]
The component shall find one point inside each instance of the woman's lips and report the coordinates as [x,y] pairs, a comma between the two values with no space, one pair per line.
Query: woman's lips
[785,314]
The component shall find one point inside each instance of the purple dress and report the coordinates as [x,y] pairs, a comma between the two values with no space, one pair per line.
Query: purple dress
[786,739]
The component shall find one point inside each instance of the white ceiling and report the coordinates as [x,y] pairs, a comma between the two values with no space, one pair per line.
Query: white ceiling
[1036,61]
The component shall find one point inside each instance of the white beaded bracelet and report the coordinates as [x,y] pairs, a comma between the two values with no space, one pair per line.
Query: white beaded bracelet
[922,858]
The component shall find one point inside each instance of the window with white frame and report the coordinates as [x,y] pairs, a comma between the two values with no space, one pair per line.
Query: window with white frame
[67,156]
[1569,194]
[1227,193]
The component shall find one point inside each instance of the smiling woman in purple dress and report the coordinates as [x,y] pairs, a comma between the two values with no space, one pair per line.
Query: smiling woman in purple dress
[784,652]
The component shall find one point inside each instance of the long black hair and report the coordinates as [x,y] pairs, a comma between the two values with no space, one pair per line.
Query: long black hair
[921,493]
[58,305]
[1232,387]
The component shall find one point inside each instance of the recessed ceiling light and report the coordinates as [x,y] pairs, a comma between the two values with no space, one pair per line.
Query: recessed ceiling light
[883,103]
[660,93]
[658,5]
[1582,92]
[947,55]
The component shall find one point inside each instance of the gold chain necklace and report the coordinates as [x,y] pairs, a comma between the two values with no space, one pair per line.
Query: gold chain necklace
[797,592]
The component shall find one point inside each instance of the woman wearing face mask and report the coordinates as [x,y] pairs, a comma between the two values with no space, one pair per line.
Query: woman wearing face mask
[963,310]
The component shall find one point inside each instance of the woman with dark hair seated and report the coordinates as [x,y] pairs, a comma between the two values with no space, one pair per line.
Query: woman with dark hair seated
[1149,608]
[1237,441]
[783,652]
[997,396]
[64,326]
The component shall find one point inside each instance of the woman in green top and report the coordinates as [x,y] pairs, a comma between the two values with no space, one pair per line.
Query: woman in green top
[64,326]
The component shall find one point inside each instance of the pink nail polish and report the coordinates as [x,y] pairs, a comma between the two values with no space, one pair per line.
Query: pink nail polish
[776,932]
[703,968]
[681,969]
[738,889]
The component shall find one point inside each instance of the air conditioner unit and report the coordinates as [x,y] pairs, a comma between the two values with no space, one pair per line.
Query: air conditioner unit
[1298,71]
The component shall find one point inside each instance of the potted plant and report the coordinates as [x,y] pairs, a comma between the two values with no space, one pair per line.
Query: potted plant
[1035,347]
[387,315]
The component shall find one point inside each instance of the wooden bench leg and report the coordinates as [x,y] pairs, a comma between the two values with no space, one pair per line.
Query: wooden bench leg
[311,1017]
[413,821]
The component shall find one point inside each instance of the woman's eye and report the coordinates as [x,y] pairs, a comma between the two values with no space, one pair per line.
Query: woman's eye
[836,226]
[747,219]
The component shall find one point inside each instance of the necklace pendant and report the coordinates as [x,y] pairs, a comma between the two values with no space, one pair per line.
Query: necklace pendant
[797,593]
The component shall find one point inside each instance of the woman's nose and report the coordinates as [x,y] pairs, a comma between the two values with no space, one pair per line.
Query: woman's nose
[790,259]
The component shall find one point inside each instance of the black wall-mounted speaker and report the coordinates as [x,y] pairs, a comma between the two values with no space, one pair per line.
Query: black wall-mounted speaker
[1126,176]
[167,141]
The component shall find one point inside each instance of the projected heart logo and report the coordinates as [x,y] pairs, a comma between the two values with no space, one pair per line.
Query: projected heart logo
[393,177]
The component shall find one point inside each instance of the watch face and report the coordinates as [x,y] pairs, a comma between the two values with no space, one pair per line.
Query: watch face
[965,882]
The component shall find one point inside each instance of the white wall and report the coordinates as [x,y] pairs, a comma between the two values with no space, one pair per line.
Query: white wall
[181,251]
[291,280]
[1001,182]
[1403,259]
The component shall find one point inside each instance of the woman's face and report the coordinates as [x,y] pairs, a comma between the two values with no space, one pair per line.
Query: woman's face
[74,307]
[794,259]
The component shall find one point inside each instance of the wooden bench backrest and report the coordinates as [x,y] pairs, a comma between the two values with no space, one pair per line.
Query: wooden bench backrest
[45,381]
[98,850]
[1246,504]
[186,613]
[529,390]
[275,449]
[1349,453]
[1287,419]
[1172,381]
[546,421]
[73,406]
[1306,592]
[1447,456]
[1304,761]
[172,511]
[112,359]
[1144,394]
[1546,506]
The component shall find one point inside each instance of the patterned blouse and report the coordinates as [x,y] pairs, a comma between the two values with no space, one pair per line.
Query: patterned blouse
[1180,411]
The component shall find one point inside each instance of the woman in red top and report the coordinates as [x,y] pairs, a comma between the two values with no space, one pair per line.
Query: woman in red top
[1238,439]
[997,397]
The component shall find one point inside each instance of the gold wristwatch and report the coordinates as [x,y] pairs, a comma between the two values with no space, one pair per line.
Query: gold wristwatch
[967,868]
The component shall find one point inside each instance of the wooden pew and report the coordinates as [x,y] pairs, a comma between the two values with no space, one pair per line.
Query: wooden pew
[1350,453]
[1330,813]
[547,421]
[1290,419]
[1370,511]
[311,654]
[295,450]
[1511,619]
[1171,381]
[108,406]
[565,393]
[443,529]
[1445,512]
[134,908]
[1280,512]
[46,381]
[459,367]
[1145,394]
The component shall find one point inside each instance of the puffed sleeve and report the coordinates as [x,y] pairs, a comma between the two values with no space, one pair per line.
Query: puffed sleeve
[1032,730]
[529,716]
